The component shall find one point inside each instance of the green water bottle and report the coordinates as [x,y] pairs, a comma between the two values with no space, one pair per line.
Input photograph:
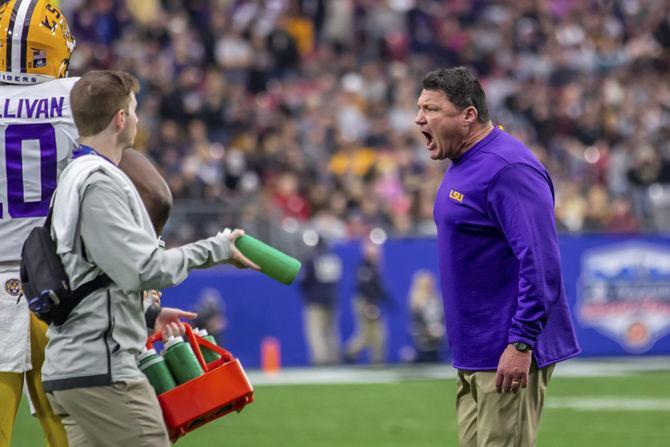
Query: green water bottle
[153,366]
[181,360]
[207,354]
[274,263]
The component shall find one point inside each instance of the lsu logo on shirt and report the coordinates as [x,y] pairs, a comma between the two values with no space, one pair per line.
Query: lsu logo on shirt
[457,196]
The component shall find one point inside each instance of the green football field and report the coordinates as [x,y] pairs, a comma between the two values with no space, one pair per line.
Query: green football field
[630,410]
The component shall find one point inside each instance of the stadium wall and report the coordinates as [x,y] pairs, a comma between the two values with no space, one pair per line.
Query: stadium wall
[618,288]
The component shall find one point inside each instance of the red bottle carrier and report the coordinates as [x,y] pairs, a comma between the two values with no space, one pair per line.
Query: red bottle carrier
[222,389]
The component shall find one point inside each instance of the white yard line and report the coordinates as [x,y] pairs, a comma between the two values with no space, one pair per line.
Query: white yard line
[349,375]
[608,403]
[610,367]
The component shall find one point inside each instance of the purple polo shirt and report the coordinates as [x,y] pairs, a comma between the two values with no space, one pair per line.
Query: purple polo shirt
[499,258]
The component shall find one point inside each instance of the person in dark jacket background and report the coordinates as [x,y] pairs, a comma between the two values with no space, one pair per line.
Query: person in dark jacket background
[370,295]
[322,272]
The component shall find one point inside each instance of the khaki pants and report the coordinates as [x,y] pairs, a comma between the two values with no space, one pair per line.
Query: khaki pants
[11,388]
[122,414]
[320,333]
[370,332]
[488,419]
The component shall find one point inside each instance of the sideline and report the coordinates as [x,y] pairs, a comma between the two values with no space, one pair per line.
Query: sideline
[605,367]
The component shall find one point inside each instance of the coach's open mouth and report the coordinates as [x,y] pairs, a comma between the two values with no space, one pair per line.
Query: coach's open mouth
[430,142]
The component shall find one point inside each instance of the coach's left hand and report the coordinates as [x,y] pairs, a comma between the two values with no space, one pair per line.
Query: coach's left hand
[513,369]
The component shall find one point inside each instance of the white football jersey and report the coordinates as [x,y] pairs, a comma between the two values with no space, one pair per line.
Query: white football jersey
[37,138]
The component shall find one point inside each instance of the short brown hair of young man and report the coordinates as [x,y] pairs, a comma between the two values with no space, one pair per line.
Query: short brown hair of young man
[97,96]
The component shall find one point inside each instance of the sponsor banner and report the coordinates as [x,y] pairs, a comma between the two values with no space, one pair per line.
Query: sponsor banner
[624,293]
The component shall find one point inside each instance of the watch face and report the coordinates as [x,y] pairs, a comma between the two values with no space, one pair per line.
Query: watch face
[523,347]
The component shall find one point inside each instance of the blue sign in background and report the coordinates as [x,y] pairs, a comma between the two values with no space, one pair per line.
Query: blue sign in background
[259,307]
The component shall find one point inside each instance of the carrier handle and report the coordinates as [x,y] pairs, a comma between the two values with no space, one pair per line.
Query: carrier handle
[196,341]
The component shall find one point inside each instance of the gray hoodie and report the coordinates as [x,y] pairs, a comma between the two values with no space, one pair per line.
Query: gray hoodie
[100,226]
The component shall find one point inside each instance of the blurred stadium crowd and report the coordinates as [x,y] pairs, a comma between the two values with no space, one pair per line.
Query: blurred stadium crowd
[285,115]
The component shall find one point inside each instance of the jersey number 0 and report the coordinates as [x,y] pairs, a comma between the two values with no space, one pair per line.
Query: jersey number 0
[15,137]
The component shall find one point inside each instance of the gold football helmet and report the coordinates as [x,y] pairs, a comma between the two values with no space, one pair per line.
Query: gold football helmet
[35,42]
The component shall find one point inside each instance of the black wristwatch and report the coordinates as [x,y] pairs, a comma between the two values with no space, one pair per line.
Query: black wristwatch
[521,346]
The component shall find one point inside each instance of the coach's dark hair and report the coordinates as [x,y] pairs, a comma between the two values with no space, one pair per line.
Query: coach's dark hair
[461,87]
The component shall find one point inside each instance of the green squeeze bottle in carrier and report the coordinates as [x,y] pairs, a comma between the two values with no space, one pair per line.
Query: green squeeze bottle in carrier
[181,360]
[274,263]
[208,355]
[153,366]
